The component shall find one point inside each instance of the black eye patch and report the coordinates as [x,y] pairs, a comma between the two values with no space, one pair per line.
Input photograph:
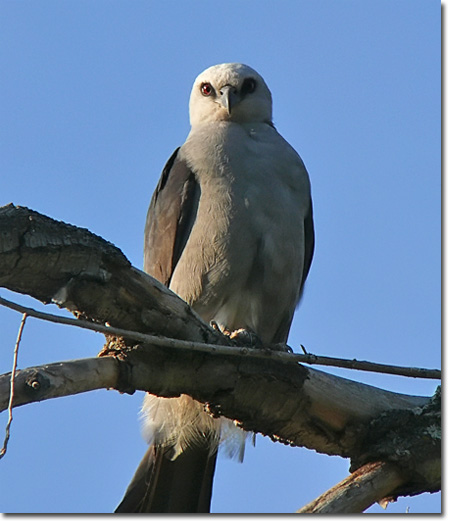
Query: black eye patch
[248,86]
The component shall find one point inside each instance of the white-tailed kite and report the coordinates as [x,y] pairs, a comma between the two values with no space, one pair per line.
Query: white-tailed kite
[230,230]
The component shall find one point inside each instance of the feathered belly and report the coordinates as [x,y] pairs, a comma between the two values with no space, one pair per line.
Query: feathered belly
[242,264]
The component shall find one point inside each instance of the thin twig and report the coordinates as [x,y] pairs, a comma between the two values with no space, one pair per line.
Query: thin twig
[307,358]
[410,372]
[11,393]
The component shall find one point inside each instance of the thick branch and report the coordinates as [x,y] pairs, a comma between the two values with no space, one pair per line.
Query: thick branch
[57,262]
[306,407]
[400,455]
[60,379]
[357,492]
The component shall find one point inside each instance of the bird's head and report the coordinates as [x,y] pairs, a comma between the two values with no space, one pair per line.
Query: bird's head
[230,92]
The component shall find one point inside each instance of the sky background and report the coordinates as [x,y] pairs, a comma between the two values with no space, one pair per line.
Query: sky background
[94,99]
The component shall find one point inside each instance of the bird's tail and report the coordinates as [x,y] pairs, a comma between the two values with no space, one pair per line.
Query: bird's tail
[162,485]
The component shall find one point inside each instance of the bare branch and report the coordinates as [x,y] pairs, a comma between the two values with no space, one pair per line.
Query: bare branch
[411,372]
[368,485]
[307,407]
[268,393]
[58,263]
[60,379]
[400,454]
[12,387]
[312,359]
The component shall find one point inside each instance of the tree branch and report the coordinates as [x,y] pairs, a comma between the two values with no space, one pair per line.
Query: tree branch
[288,357]
[59,263]
[368,485]
[12,387]
[56,380]
[56,262]
[306,407]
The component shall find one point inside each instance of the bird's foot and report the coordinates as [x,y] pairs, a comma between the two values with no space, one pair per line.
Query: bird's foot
[245,337]
[280,347]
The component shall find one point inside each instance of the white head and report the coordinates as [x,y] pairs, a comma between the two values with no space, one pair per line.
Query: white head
[230,92]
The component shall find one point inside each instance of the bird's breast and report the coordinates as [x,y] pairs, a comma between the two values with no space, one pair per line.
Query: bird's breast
[244,248]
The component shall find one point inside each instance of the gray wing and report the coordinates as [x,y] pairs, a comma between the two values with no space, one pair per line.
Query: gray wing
[170,218]
[282,332]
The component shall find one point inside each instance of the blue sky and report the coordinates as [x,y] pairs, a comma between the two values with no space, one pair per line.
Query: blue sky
[94,99]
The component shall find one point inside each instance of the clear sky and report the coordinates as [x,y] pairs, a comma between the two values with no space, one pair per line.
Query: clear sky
[94,99]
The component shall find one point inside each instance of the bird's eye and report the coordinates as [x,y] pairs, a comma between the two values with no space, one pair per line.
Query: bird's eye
[248,86]
[206,89]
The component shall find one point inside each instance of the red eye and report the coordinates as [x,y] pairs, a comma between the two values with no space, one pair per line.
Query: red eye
[206,89]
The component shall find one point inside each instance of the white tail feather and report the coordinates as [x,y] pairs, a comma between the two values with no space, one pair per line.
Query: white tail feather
[181,422]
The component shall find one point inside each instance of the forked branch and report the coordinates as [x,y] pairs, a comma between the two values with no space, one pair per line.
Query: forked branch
[56,262]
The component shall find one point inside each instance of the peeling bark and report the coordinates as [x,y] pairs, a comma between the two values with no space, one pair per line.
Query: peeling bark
[59,263]
[357,492]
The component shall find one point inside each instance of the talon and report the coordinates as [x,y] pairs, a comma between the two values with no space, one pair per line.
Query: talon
[215,326]
[281,347]
[242,336]
[246,337]
[220,328]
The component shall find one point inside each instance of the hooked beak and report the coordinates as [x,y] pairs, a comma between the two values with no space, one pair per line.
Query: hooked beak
[228,97]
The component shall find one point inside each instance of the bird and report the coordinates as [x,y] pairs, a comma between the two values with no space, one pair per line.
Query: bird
[230,230]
